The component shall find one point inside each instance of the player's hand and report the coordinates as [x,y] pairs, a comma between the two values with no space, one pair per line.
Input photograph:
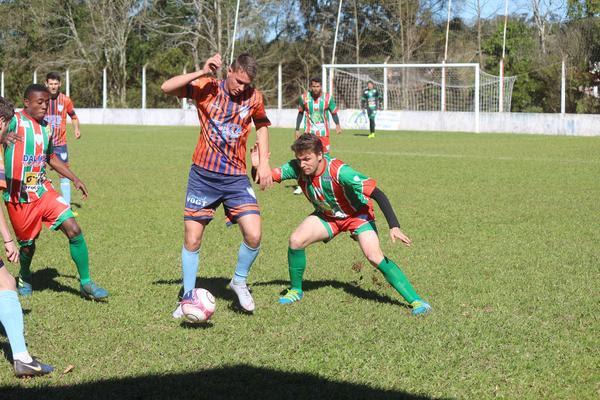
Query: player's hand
[10,138]
[397,234]
[264,176]
[77,134]
[213,63]
[79,185]
[254,156]
[12,253]
[338,129]
[296,134]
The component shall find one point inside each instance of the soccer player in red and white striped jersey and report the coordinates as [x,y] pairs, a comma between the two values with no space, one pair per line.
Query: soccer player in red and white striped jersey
[226,110]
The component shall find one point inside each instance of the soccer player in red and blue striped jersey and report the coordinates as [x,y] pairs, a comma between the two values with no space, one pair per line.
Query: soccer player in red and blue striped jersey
[226,110]
[59,107]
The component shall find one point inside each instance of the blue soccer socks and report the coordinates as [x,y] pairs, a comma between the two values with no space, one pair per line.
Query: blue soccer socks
[189,266]
[246,257]
[11,316]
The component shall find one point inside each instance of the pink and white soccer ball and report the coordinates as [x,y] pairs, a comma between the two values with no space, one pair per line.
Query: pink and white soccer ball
[198,305]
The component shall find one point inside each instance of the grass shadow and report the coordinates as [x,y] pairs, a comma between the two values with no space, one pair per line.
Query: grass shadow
[225,382]
[346,287]
[45,279]
[360,134]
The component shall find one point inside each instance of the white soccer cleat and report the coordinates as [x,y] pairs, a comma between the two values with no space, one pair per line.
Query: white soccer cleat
[298,190]
[178,313]
[244,295]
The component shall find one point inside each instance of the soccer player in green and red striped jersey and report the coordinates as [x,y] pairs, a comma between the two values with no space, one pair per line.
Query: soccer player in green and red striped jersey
[11,314]
[341,197]
[30,198]
[314,107]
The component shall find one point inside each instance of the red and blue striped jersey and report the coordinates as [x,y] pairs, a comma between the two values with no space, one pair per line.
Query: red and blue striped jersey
[225,123]
[56,117]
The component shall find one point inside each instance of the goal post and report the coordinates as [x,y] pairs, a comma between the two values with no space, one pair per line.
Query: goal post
[460,87]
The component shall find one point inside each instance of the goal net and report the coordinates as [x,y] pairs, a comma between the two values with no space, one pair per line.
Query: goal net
[420,87]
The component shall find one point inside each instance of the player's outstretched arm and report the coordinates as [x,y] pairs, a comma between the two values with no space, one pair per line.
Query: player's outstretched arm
[390,216]
[65,171]
[176,86]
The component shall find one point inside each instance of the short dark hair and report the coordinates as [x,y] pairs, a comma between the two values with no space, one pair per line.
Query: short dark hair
[53,75]
[246,63]
[35,88]
[316,79]
[7,109]
[371,82]
[307,142]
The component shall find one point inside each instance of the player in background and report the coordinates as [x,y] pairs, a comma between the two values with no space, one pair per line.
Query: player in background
[11,314]
[59,108]
[30,198]
[226,110]
[371,101]
[342,200]
[313,107]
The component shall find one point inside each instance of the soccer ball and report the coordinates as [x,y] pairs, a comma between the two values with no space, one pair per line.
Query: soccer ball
[198,305]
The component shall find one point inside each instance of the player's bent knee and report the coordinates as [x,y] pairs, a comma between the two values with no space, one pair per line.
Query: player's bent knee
[297,242]
[375,258]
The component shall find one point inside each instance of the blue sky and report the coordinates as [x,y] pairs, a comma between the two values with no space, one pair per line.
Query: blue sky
[466,8]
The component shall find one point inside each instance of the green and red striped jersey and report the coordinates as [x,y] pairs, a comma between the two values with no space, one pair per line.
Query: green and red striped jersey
[316,120]
[25,160]
[339,192]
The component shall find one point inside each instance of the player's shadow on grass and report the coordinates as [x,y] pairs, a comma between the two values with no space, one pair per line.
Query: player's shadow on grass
[228,382]
[45,279]
[346,287]
[360,134]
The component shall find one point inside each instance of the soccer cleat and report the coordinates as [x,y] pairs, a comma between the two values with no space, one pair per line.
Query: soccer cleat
[371,135]
[420,307]
[24,288]
[291,296]
[75,213]
[34,368]
[93,291]
[298,190]
[243,295]
[178,313]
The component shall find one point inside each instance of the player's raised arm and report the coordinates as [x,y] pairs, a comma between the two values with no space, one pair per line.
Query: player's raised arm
[390,216]
[176,86]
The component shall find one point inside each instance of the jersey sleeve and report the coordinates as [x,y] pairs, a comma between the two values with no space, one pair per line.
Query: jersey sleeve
[199,88]
[332,106]
[259,115]
[363,100]
[289,170]
[70,108]
[300,104]
[356,184]
[12,125]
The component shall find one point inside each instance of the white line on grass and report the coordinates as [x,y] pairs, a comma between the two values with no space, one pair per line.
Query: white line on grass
[441,155]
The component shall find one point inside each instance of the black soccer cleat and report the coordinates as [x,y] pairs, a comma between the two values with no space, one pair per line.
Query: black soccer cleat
[34,368]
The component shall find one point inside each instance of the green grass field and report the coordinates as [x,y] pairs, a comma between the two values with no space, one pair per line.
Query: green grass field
[506,249]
